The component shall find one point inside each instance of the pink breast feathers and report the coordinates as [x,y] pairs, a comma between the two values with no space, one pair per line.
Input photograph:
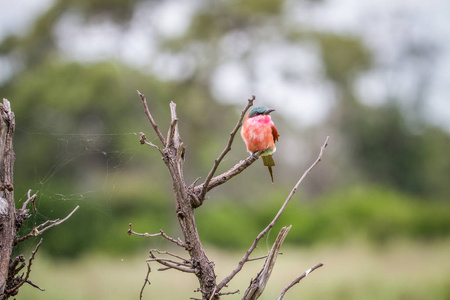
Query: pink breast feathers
[258,134]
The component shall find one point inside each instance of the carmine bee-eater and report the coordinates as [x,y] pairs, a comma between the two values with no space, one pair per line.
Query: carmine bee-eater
[259,134]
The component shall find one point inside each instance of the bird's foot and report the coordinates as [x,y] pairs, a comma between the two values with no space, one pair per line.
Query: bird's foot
[256,154]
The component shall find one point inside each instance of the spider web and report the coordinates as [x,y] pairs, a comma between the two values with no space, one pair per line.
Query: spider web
[102,150]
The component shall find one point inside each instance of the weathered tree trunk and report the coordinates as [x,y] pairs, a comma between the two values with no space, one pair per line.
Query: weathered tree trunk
[173,156]
[7,206]
[11,219]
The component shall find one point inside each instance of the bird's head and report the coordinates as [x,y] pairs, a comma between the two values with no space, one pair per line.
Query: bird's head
[259,111]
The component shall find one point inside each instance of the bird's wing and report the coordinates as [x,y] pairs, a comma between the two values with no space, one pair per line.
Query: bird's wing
[275,133]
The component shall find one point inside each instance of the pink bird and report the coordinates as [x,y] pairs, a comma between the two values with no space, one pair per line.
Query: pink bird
[259,134]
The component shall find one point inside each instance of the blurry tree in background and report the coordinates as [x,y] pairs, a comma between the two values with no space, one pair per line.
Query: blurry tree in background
[78,115]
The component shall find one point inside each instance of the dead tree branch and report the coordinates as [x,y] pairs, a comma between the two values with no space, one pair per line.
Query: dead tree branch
[187,199]
[217,161]
[258,284]
[146,281]
[178,242]
[225,176]
[41,228]
[183,266]
[19,281]
[173,157]
[32,199]
[271,224]
[297,280]
[150,118]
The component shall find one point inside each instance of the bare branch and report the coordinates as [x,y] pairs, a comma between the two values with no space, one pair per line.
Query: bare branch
[27,275]
[297,280]
[171,254]
[213,293]
[13,269]
[31,198]
[37,230]
[225,151]
[225,176]
[257,285]
[262,233]
[228,293]
[170,263]
[161,233]
[146,281]
[35,285]
[158,259]
[150,118]
[261,257]
[143,140]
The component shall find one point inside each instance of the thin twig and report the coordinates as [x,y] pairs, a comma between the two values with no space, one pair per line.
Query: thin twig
[261,257]
[257,285]
[262,233]
[192,186]
[37,230]
[226,150]
[228,293]
[158,259]
[171,254]
[146,281]
[35,285]
[27,275]
[31,198]
[150,118]
[174,265]
[297,280]
[161,233]
[227,175]
[213,293]
[143,141]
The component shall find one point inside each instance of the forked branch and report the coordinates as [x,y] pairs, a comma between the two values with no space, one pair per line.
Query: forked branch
[188,198]
[41,228]
[178,242]
[150,118]
[20,280]
[227,175]
[244,259]
[218,160]
[258,284]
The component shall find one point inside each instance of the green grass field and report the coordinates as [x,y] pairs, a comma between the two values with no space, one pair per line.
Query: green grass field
[405,270]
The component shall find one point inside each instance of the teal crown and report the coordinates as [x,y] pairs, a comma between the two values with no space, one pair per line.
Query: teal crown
[260,111]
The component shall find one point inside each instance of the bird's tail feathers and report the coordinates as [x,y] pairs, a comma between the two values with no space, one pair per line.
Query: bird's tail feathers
[269,162]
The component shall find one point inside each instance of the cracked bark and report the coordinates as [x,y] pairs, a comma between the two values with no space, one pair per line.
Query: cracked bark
[7,206]
[173,157]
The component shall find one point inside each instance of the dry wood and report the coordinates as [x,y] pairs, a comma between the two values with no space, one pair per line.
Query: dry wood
[187,199]
[257,285]
[7,206]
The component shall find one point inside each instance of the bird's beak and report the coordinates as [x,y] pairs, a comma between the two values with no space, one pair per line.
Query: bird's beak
[269,110]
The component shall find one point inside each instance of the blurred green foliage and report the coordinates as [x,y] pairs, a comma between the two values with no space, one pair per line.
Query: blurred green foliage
[344,57]
[375,214]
